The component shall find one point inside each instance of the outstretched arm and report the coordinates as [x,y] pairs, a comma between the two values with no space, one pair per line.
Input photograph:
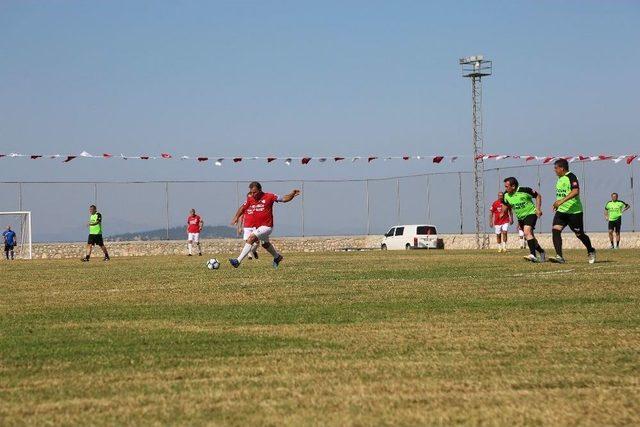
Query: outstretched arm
[289,197]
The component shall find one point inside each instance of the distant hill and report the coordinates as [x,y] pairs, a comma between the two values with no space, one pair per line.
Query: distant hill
[177,233]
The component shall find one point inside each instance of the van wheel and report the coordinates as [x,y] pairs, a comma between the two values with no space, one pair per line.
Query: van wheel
[383,247]
[407,247]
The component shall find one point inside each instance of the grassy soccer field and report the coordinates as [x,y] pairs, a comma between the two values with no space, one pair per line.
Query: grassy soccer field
[336,338]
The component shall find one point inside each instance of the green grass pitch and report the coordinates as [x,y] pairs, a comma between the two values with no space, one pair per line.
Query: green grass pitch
[376,338]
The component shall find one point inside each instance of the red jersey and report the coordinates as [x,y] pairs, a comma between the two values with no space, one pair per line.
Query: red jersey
[258,213]
[193,224]
[500,213]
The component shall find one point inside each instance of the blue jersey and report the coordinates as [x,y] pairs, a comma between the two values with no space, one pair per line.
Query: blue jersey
[9,237]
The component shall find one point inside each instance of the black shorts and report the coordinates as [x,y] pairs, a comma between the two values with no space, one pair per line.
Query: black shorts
[8,247]
[573,220]
[95,239]
[615,225]
[529,220]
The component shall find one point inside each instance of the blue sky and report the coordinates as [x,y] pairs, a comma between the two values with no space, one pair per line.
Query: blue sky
[298,77]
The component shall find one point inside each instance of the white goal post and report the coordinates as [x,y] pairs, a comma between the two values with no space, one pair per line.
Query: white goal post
[21,225]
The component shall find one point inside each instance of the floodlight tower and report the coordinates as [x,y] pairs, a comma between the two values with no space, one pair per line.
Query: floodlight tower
[475,68]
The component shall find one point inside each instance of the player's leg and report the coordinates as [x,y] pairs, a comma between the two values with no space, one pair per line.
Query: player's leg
[89,248]
[196,239]
[247,232]
[560,221]
[576,224]
[528,226]
[6,251]
[498,237]
[246,249]
[611,228]
[12,251]
[189,244]
[100,243]
[263,234]
[617,229]
[505,230]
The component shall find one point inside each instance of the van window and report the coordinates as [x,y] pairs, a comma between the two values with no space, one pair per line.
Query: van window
[426,230]
[399,231]
[390,232]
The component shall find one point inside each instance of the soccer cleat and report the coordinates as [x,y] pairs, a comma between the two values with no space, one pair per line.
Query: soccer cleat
[531,258]
[592,257]
[557,259]
[85,259]
[199,253]
[106,258]
[611,247]
[543,257]
[277,260]
[189,255]
[234,262]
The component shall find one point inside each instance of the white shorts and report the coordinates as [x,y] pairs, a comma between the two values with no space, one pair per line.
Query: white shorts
[262,233]
[193,237]
[502,228]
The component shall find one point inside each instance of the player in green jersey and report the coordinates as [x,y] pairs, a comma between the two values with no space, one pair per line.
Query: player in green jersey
[613,213]
[568,208]
[95,234]
[520,200]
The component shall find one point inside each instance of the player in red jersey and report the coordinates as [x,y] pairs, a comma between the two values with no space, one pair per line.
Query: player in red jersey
[501,218]
[194,227]
[257,213]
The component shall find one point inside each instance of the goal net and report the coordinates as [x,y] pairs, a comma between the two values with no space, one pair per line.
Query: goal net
[20,223]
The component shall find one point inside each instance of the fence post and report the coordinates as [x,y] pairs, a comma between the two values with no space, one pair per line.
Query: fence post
[583,195]
[539,183]
[166,198]
[302,203]
[499,183]
[95,193]
[397,200]
[20,196]
[428,199]
[366,191]
[633,203]
[460,197]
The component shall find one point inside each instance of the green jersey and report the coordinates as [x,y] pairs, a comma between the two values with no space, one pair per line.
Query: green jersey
[95,223]
[564,185]
[615,209]
[521,202]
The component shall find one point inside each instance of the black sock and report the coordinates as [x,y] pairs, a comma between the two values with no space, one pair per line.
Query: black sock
[532,246]
[538,247]
[557,241]
[586,241]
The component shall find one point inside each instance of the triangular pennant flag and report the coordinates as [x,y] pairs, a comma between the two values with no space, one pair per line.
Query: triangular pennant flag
[107,155]
[529,158]
[219,161]
[355,159]
[184,157]
[454,158]
[237,159]
[322,159]
[370,159]
[69,158]
[438,159]
[630,159]
[337,159]
[287,162]
[306,160]
[85,154]
[548,159]
[203,159]
[144,157]
[165,155]
[271,159]
[35,156]
[619,159]
[405,157]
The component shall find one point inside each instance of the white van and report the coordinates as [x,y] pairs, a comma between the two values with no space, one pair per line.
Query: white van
[415,236]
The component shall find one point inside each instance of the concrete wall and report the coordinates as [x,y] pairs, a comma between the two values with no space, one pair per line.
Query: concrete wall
[301,244]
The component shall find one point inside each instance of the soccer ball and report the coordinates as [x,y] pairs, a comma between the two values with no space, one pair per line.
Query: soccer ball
[213,264]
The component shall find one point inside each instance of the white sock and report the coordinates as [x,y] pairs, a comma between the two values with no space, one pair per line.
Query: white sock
[190,247]
[254,247]
[504,245]
[245,251]
[272,250]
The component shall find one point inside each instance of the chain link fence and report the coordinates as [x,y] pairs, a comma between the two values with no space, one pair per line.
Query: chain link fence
[340,207]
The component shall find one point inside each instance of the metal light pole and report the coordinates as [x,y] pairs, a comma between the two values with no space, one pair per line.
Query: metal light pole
[475,68]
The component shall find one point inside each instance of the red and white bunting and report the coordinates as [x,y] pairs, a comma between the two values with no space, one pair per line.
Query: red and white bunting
[309,160]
